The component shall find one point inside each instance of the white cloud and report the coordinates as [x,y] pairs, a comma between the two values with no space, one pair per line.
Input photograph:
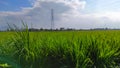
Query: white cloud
[75,4]
[67,14]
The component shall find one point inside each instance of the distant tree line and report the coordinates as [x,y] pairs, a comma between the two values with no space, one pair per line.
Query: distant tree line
[60,29]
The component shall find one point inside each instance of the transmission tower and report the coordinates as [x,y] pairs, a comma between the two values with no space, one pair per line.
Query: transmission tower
[52,19]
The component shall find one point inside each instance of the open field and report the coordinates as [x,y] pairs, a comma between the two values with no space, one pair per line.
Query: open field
[5,35]
[60,49]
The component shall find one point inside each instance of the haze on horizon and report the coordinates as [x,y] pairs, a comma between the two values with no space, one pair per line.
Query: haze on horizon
[79,14]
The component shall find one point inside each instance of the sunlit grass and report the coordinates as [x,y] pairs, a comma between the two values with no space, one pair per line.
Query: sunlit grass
[67,49]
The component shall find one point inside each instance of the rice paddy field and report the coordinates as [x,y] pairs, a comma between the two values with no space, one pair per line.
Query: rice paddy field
[60,49]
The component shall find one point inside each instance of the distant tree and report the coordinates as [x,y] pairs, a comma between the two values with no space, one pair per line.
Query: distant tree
[8,29]
[62,28]
[33,29]
[69,29]
[41,29]
[56,29]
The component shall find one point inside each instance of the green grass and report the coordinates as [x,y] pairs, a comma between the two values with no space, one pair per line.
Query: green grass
[5,35]
[61,49]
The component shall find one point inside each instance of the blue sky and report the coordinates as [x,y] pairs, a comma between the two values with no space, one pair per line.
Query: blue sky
[92,5]
[68,13]
[14,5]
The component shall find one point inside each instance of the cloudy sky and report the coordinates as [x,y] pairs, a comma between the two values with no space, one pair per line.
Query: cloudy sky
[80,14]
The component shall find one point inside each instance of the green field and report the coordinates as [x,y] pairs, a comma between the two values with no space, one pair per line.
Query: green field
[60,49]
